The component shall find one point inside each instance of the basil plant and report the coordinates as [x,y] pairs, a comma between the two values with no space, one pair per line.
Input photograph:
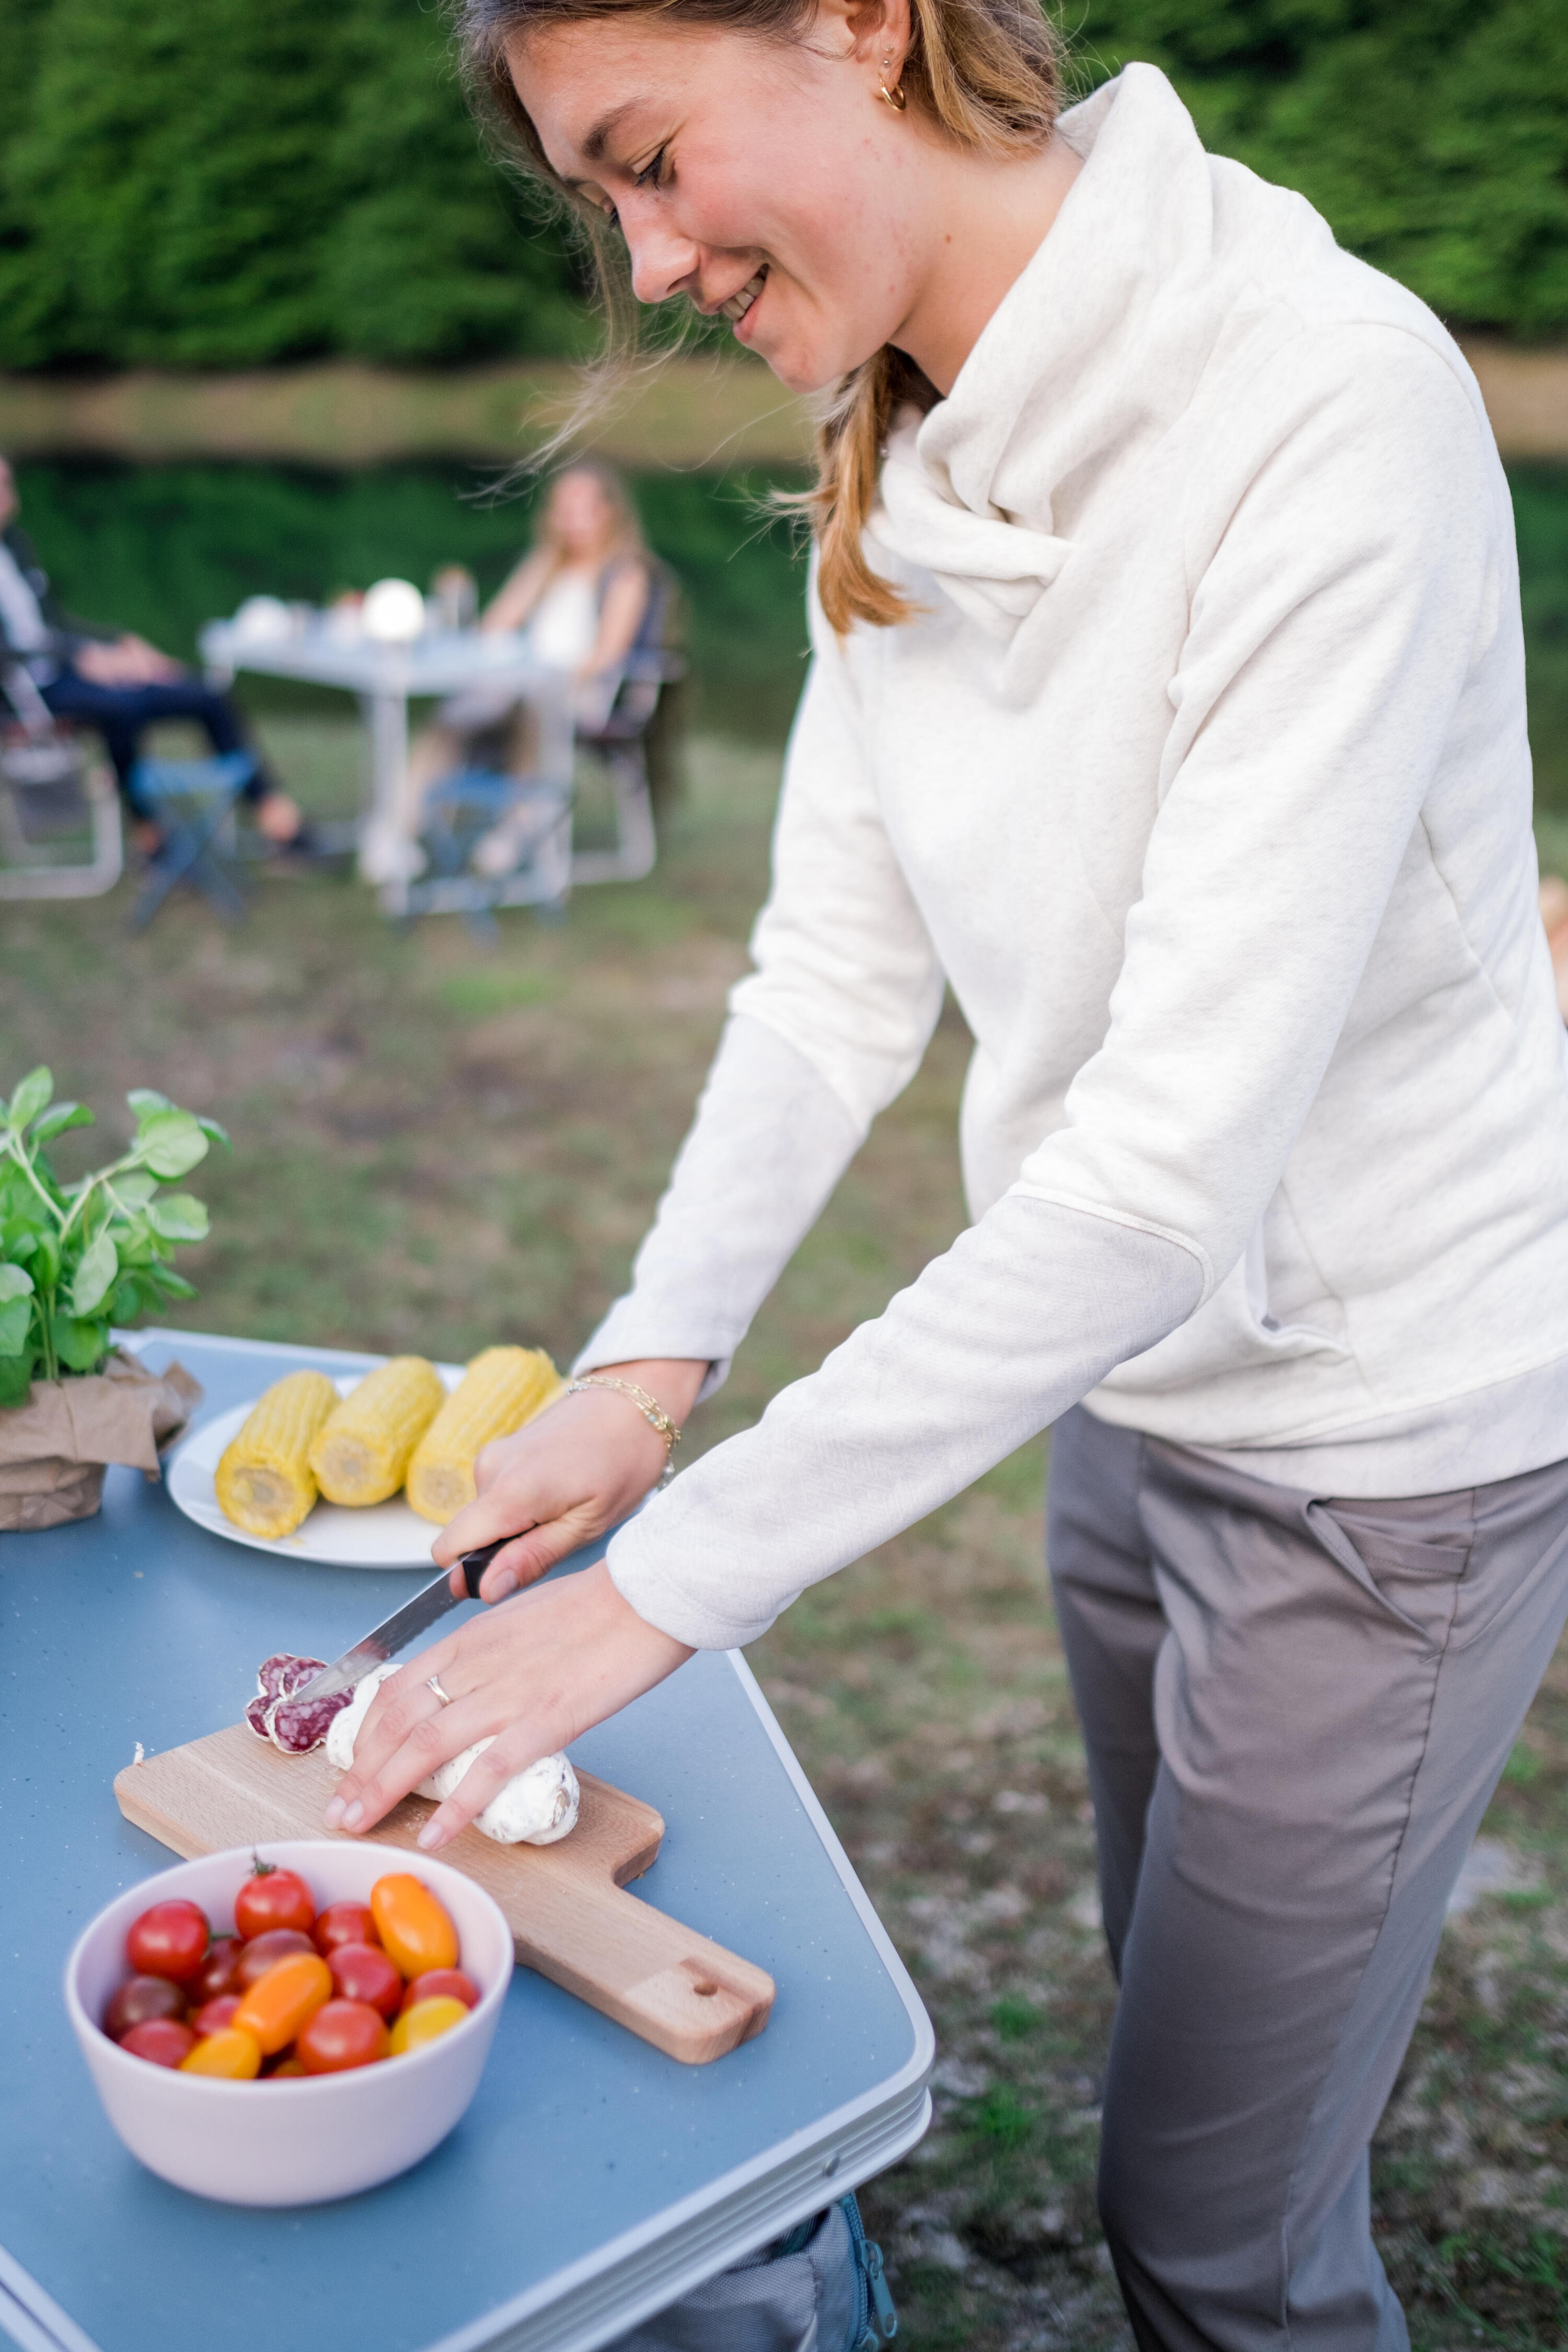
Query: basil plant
[76,1258]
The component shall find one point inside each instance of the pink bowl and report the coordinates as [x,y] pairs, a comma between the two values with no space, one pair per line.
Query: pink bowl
[308,2138]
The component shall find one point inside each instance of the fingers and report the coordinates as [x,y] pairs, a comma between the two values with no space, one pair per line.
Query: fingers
[512,1750]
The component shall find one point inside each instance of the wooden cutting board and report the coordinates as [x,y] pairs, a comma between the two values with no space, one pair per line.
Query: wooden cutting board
[565,1904]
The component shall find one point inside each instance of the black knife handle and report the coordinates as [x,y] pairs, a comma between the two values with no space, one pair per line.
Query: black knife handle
[474,1564]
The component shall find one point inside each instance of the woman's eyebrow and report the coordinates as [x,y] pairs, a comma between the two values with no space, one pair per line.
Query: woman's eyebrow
[599,136]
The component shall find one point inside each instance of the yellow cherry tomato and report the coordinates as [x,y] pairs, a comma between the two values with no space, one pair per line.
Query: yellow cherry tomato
[231,2053]
[284,1999]
[412,1925]
[426,2021]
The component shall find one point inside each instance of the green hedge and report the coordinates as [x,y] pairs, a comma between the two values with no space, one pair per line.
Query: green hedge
[224,182]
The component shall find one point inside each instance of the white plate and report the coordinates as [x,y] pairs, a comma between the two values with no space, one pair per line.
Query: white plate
[384,1535]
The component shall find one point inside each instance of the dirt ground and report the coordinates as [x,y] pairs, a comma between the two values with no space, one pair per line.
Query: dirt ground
[440,1144]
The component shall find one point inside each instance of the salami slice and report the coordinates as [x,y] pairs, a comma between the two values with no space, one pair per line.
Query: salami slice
[275,1713]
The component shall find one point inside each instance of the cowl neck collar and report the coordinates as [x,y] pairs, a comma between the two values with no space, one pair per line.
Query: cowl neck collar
[1092,352]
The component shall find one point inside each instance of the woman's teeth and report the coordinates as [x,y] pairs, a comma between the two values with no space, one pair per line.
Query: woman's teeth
[736,308]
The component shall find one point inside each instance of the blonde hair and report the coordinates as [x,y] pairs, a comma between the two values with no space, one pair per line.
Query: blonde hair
[627,544]
[989,72]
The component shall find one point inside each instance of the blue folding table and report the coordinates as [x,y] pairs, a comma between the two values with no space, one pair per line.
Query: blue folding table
[592,2180]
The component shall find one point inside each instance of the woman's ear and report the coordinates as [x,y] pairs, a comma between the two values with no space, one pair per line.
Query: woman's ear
[868,31]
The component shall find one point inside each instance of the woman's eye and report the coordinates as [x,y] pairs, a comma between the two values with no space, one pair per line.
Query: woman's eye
[652,172]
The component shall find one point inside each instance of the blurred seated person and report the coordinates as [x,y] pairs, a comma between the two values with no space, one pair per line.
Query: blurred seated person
[583,597]
[117,684]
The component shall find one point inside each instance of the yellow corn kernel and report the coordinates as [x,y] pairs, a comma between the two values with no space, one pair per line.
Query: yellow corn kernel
[501,1389]
[361,1455]
[263,1481]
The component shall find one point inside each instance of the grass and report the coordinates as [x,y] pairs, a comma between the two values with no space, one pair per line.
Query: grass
[437,1146]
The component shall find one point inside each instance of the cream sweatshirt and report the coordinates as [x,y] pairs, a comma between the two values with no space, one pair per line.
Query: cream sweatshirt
[1201,778]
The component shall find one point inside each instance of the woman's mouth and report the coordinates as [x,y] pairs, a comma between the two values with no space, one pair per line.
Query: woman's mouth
[736,308]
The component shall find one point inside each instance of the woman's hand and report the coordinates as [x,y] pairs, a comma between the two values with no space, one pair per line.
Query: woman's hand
[564,1480]
[536,1673]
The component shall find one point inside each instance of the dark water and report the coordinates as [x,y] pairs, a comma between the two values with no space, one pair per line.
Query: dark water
[163,548]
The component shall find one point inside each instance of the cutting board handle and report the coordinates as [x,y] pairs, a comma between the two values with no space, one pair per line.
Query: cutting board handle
[678,1989]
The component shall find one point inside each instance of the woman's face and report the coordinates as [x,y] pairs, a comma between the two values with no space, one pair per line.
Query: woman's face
[582,520]
[762,179]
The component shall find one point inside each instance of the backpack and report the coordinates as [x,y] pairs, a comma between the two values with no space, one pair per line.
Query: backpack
[820,2289]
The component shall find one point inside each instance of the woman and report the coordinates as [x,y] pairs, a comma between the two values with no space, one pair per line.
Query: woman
[582,596]
[1168,703]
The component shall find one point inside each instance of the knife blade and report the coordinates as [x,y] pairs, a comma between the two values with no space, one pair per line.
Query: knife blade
[393,1636]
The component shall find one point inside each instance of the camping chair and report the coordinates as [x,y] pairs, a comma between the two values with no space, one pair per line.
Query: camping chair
[193,803]
[49,794]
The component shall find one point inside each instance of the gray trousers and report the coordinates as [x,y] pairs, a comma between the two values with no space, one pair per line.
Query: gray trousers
[1296,1710]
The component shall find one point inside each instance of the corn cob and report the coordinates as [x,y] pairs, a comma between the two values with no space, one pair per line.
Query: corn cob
[361,1455]
[501,1389]
[264,1480]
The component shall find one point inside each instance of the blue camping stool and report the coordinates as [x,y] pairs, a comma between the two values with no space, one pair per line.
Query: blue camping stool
[192,802]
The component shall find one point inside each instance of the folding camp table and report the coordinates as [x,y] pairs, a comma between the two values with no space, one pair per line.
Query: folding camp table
[592,2180]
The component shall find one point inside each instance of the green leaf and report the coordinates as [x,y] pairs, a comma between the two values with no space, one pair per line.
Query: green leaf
[15,1282]
[170,1143]
[46,1261]
[172,1285]
[15,1379]
[16,1322]
[179,1217]
[80,1345]
[125,1303]
[136,1188]
[16,1243]
[144,1101]
[215,1133]
[30,1097]
[98,1264]
[55,1122]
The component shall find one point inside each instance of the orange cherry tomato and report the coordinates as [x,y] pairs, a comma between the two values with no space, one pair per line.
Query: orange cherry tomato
[162,2040]
[344,1922]
[364,1972]
[435,1982]
[289,2066]
[426,2021]
[214,2016]
[414,1926]
[277,2005]
[234,2056]
[343,2033]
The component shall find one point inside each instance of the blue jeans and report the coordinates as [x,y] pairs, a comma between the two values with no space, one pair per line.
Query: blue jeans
[121,713]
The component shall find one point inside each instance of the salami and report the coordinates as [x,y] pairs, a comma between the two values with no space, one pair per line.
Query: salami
[275,1713]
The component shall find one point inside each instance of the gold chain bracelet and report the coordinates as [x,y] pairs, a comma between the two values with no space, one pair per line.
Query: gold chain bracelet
[652,1412]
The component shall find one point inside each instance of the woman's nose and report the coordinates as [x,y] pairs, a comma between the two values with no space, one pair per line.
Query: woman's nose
[662,259]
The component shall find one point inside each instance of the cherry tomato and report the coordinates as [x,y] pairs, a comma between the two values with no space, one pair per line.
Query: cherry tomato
[344,1922]
[214,2016]
[273,1898]
[161,2040]
[341,2035]
[435,1982]
[277,2005]
[425,2021]
[138,2000]
[362,1973]
[264,1952]
[169,1940]
[414,1928]
[275,2074]
[215,1974]
[232,2055]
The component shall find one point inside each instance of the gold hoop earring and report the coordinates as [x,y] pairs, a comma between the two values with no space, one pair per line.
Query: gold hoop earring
[895,97]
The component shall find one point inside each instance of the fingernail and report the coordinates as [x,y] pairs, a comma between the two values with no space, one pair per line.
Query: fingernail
[430,1837]
[505,1582]
[352,1815]
[334,1812]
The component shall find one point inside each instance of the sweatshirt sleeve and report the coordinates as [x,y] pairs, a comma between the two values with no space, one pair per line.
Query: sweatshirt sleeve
[827,1029]
[1334,624]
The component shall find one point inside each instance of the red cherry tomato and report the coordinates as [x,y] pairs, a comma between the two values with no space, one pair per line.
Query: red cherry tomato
[345,1923]
[138,2000]
[343,2033]
[214,2016]
[273,1898]
[215,1974]
[364,1972]
[169,1940]
[435,1982]
[161,2040]
[264,1952]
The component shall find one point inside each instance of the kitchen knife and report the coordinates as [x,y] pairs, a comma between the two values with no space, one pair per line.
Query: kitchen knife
[393,1636]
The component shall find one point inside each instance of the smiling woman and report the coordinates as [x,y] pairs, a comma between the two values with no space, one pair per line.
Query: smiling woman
[1167,704]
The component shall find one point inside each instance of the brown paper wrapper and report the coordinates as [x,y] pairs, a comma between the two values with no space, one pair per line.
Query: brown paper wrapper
[54,1451]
